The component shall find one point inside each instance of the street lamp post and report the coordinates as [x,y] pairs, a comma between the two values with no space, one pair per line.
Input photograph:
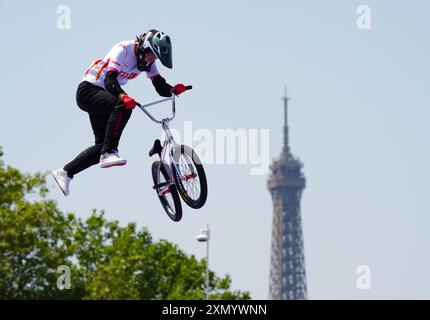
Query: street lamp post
[204,236]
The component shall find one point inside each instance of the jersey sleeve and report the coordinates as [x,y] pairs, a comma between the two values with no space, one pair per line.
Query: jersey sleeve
[117,56]
[153,72]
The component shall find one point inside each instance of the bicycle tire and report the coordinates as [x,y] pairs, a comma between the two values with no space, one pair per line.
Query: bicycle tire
[174,213]
[191,200]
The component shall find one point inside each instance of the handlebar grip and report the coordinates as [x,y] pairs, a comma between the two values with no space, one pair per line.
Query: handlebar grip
[188,87]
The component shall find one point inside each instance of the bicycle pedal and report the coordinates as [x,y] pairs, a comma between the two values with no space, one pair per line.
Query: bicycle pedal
[161,185]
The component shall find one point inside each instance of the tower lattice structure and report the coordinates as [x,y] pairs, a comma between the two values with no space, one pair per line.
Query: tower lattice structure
[286,184]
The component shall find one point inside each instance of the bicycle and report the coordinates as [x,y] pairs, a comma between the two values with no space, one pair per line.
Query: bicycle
[179,170]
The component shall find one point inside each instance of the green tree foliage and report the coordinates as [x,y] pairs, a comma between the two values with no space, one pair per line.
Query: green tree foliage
[106,260]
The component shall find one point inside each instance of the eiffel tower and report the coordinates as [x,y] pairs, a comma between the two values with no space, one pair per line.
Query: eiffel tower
[286,183]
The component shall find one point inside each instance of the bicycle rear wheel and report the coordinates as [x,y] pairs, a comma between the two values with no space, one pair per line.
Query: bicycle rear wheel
[190,177]
[166,191]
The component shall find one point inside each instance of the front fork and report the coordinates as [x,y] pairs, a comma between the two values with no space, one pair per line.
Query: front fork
[177,148]
[172,147]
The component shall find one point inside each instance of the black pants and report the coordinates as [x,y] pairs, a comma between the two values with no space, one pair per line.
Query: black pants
[108,118]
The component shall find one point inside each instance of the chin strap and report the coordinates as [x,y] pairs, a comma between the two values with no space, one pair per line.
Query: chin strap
[144,66]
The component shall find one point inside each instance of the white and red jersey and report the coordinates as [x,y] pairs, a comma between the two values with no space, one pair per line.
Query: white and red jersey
[122,59]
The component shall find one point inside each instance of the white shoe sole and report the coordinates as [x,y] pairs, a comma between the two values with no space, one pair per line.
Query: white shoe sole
[59,185]
[113,164]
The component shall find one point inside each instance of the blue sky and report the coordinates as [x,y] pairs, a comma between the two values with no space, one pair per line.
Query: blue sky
[358,120]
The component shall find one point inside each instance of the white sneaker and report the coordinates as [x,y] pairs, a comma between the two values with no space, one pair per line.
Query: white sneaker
[62,179]
[108,160]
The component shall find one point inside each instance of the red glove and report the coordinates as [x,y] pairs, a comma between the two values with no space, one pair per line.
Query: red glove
[178,89]
[129,102]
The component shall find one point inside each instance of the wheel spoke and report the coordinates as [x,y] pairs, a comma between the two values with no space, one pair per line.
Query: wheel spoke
[188,176]
[167,194]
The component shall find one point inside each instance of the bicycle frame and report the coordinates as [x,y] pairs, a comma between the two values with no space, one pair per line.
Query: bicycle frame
[169,143]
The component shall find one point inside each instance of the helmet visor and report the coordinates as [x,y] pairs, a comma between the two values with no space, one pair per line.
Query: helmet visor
[162,47]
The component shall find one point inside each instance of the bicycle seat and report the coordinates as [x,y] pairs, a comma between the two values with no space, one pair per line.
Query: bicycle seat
[156,148]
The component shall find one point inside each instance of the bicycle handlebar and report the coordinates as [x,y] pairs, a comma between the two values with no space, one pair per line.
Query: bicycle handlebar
[142,107]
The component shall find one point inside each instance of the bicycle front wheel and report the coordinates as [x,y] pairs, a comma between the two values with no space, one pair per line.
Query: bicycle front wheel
[190,177]
[166,191]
